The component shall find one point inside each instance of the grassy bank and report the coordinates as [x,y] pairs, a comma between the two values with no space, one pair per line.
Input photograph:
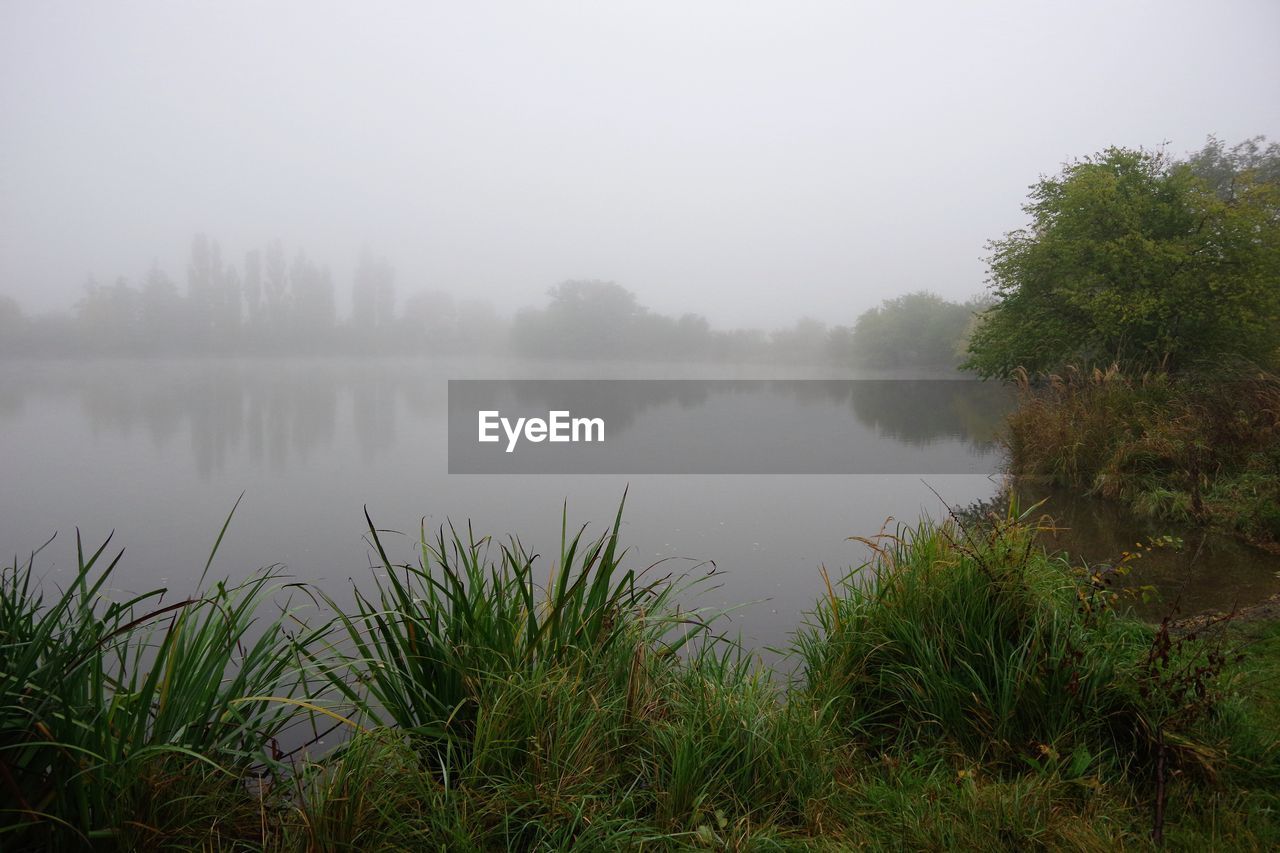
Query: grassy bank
[1189,449]
[964,689]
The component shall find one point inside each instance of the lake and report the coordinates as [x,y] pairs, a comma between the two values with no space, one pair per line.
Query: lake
[159,451]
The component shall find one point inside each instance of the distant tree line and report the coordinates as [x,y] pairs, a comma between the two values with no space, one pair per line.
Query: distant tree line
[586,319]
[271,303]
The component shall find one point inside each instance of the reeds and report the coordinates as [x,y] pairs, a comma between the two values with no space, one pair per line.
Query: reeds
[1191,449]
[102,697]
[975,639]
[429,636]
[963,682]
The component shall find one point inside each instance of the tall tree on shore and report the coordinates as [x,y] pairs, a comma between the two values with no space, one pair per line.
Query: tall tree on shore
[373,293]
[314,314]
[253,288]
[109,315]
[164,315]
[275,287]
[213,291]
[1135,259]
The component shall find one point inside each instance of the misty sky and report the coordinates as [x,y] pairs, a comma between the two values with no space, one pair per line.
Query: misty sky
[751,161]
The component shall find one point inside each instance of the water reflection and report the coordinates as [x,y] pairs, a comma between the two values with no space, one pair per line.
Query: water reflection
[159,451]
[1209,572]
[280,414]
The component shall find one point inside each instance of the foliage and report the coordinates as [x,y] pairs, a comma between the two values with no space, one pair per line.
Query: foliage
[916,330]
[103,703]
[976,638]
[978,688]
[1222,167]
[1188,450]
[424,647]
[1134,259]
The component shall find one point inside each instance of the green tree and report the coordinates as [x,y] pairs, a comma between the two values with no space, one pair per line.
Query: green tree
[1137,260]
[1222,167]
[585,318]
[916,330]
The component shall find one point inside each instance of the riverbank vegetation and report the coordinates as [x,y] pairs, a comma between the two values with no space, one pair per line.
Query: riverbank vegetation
[964,688]
[1140,317]
[1190,449]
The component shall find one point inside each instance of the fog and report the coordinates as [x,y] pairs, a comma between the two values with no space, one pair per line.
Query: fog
[753,163]
[251,252]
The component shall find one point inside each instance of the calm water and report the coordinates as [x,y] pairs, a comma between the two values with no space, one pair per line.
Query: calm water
[159,452]
[1207,571]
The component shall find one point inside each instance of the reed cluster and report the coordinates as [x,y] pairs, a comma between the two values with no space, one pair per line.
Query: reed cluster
[1191,448]
[962,686]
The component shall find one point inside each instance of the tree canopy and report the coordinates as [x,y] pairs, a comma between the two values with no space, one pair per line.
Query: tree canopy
[1135,259]
[916,330]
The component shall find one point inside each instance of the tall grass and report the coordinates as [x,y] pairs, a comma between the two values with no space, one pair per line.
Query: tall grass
[972,640]
[429,637]
[105,700]
[1186,448]
[964,685]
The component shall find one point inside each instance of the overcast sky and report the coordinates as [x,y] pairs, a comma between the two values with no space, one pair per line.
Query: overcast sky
[752,161]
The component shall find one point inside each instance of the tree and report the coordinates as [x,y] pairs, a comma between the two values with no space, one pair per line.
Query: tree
[430,320]
[275,288]
[163,314]
[1221,167]
[314,312]
[1141,261]
[253,289]
[585,318]
[804,342]
[916,330]
[109,315]
[373,293]
[12,324]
